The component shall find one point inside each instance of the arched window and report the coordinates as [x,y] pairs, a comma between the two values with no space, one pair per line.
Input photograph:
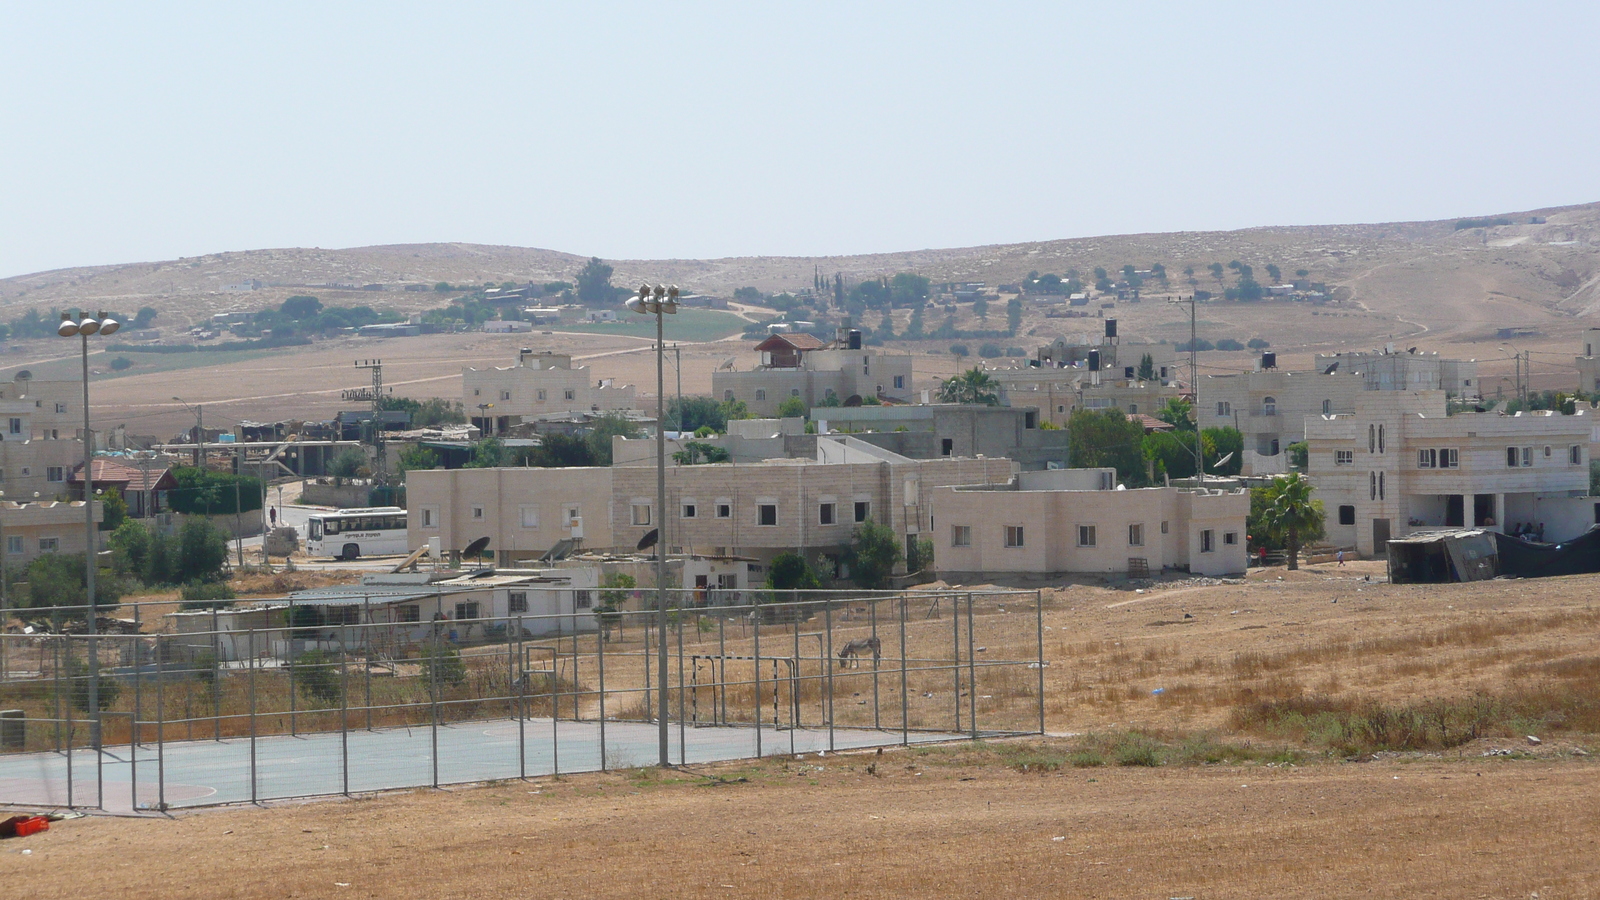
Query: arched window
[1380,485]
[1372,485]
[1269,406]
[1380,438]
[1372,439]
[1327,407]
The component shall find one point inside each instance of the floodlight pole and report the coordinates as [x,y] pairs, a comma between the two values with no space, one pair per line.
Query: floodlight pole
[661,545]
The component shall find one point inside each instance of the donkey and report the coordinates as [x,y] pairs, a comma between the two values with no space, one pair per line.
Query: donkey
[851,653]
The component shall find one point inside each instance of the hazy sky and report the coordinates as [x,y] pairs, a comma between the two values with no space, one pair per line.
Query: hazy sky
[151,131]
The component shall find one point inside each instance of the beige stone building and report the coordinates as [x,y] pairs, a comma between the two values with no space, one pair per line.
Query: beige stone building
[1075,521]
[1589,363]
[40,424]
[32,529]
[801,365]
[751,510]
[1057,392]
[1406,370]
[540,384]
[1397,464]
[1270,407]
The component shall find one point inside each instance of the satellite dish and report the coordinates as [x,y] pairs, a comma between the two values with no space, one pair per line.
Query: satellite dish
[24,375]
[477,547]
[650,539]
[1223,461]
[1331,369]
[726,364]
[853,400]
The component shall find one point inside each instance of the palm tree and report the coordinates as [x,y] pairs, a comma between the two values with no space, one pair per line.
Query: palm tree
[1291,511]
[971,386]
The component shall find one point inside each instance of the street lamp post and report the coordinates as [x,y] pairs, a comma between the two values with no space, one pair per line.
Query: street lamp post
[199,432]
[82,328]
[658,301]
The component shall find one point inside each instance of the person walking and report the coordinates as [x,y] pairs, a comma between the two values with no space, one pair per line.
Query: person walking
[1340,556]
[272,516]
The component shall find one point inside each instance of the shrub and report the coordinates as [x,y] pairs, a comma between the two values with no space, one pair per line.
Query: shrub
[1016,351]
[121,364]
[1229,344]
[990,351]
[960,350]
[206,595]
[317,676]
[1135,749]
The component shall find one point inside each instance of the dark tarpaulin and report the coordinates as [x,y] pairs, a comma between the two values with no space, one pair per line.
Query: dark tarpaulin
[1529,559]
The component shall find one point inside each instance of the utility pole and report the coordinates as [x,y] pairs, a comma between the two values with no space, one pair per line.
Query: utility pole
[380,465]
[1194,387]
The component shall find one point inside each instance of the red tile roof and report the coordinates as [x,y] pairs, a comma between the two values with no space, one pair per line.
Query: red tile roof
[115,471]
[799,340]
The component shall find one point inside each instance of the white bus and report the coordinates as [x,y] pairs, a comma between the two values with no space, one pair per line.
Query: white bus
[353,533]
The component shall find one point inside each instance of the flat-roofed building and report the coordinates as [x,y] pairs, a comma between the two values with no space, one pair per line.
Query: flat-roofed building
[1398,464]
[540,384]
[803,366]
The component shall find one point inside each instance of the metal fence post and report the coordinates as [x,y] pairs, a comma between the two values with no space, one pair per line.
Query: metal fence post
[955,666]
[905,700]
[366,634]
[344,708]
[216,675]
[872,617]
[972,674]
[827,627]
[253,665]
[756,612]
[600,673]
[1038,605]
[161,738]
[682,736]
[522,705]
[293,730]
[720,699]
[433,706]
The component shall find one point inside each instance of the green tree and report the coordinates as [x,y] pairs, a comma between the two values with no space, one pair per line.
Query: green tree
[115,510]
[1216,271]
[971,386]
[348,464]
[121,364]
[791,407]
[615,587]
[417,457]
[145,316]
[874,551]
[594,284]
[921,557]
[202,551]
[1107,438]
[1275,273]
[318,676]
[980,308]
[696,452]
[1220,442]
[697,412]
[1292,512]
[56,581]
[1147,368]
[1298,452]
[603,430]
[488,453]
[442,666]
[1171,453]
[557,451]
[789,571]
[1013,315]
[300,307]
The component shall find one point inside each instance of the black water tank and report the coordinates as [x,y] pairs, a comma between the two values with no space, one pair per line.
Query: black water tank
[1269,360]
[1111,328]
[1094,360]
[855,339]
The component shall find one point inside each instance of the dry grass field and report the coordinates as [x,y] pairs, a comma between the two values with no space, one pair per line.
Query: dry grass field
[1315,734]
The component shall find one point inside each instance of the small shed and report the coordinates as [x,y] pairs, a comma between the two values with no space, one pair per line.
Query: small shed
[1438,557]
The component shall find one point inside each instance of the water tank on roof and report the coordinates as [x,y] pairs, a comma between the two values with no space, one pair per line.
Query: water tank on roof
[855,339]
[1111,328]
[1269,360]
[1094,360]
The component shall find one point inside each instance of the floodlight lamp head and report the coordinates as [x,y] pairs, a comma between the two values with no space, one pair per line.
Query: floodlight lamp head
[672,292]
[67,328]
[87,325]
[637,304]
[660,291]
[108,325]
[644,291]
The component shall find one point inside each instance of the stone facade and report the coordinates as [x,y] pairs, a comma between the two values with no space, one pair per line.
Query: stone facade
[1398,464]
[814,375]
[539,384]
[1387,370]
[1074,521]
[1588,362]
[1271,407]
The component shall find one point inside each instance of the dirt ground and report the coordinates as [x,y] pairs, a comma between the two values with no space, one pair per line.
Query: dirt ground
[935,823]
[1011,818]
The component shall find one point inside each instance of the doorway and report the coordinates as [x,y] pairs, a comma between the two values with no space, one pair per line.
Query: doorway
[1380,538]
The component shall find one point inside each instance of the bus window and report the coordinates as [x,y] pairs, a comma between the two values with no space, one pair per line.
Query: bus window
[316,529]
[331,525]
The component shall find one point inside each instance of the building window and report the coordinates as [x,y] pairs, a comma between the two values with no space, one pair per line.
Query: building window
[55,473]
[1230,537]
[1030,419]
[863,510]
[947,446]
[1344,457]
[1224,409]
[1372,439]
[1372,485]
[1086,535]
[1133,409]
[477,512]
[467,609]
[544,394]
[582,600]
[1347,515]
[767,514]
[641,513]
[49,545]
[1511,457]
[530,517]
[1327,407]
[1380,438]
[826,513]
[794,392]
[476,392]
[1547,451]
[1575,455]
[505,395]
[900,382]
[1136,535]
[1427,459]
[1097,403]
[517,602]
[1269,406]
[409,613]
[1014,536]
[1380,485]
[13,543]
[1163,527]
[761,394]
[61,407]
[1527,457]
[724,509]
[727,395]
[961,535]
[430,517]
[567,394]
[1449,458]
[689,511]
[1207,541]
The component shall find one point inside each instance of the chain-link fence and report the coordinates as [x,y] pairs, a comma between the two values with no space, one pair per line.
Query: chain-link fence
[269,702]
